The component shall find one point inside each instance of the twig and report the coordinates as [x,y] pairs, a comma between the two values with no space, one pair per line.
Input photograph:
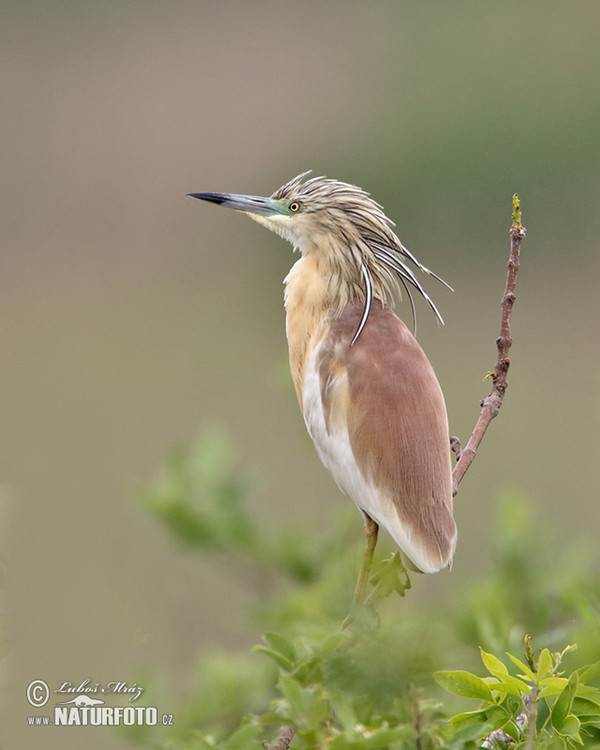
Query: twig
[490,406]
[531,717]
[283,739]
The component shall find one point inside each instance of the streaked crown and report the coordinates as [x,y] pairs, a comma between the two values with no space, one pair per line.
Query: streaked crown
[328,216]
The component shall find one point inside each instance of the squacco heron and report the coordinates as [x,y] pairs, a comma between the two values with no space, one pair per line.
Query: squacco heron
[368,394]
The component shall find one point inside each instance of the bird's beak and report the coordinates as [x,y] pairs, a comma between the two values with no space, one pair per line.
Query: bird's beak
[250,204]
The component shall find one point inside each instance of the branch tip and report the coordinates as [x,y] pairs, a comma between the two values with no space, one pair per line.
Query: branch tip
[516,214]
[490,406]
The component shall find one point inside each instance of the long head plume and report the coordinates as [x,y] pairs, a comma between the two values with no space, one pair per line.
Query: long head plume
[350,233]
[362,235]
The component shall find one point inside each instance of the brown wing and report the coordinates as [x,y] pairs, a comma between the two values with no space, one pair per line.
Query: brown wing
[397,426]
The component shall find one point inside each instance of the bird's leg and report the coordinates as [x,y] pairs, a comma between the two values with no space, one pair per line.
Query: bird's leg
[371,530]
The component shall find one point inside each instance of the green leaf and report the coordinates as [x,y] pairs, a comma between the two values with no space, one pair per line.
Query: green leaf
[570,726]
[469,718]
[293,694]
[562,707]
[511,728]
[278,648]
[316,707]
[509,685]
[526,670]
[496,716]
[589,672]
[390,577]
[552,686]
[582,705]
[588,691]
[382,739]
[586,710]
[244,738]
[544,665]
[281,644]
[464,684]
[589,721]
[493,665]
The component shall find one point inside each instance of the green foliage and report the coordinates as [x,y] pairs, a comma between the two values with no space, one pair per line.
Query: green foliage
[198,497]
[397,675]
[201,500]
[539,705]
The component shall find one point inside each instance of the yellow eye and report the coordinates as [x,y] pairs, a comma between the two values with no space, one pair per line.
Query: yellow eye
[294,207]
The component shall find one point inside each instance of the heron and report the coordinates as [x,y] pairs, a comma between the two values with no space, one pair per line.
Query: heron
[369,396]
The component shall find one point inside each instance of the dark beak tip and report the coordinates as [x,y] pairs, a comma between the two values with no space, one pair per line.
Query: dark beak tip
[211,197]
[249,204]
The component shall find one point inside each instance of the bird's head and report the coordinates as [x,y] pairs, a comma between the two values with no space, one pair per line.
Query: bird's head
[341,223]
[312,214]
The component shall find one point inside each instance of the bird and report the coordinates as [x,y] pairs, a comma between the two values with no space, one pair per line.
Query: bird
[369,396]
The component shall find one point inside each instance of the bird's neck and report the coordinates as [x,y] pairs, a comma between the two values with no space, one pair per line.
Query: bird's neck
[307,302]
[313,289]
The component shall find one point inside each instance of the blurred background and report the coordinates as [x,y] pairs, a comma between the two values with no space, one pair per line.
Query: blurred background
[133,318]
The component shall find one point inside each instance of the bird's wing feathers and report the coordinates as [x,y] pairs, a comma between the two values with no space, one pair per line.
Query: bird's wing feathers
[377,416]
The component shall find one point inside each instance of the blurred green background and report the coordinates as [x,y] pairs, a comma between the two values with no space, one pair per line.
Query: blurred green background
[132,316]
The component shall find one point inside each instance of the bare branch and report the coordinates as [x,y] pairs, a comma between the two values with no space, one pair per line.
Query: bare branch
[490,406]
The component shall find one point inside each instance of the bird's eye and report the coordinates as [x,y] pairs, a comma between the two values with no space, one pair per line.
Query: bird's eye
[294,207]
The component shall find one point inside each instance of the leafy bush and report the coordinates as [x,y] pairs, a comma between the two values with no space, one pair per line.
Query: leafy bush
[538,707]
[389,679]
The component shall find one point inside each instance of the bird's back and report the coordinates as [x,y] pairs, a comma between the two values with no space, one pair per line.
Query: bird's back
[376,414]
